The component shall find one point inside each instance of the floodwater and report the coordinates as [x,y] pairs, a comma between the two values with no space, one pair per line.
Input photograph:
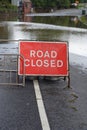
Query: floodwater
[46,28]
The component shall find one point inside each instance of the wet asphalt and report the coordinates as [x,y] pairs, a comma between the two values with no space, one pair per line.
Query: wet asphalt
[18,108]
[66,108]
[62,12]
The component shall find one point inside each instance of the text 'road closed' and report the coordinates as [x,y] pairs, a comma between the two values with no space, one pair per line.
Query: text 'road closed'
[44,58]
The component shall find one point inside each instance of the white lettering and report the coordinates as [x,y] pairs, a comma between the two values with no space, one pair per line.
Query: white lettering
[47,54]
[39,54]
[32,63]
[46,63]
[32,53]
[59,63]
[52,63]
[27,62]
[53,54]
[39,63]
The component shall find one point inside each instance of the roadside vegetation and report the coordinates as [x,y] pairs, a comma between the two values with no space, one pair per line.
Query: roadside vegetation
[6,6]
[83,19]
[57,4]
[44,5]
[47,5]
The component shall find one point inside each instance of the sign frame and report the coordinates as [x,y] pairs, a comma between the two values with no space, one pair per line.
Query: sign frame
[49,42]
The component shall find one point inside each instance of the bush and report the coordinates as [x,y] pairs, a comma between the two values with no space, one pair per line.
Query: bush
[6,6]
[84,19]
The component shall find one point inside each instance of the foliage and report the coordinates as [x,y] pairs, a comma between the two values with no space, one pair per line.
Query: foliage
[44,4]
[5,5]
[50,3]
[41,4]
[84,19]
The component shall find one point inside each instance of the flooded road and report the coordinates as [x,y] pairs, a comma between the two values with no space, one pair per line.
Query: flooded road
[49,28]
[66,108]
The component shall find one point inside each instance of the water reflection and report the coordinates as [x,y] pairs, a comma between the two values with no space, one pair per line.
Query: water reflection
[78,43]
[70,21]
[75,19]
[23,18]
[77,40]
[11,16]
[48,29]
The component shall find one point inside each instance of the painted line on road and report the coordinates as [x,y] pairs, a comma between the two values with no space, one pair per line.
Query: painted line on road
[41,108]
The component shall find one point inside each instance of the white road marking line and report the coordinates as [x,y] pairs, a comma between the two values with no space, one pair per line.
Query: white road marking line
[41,108]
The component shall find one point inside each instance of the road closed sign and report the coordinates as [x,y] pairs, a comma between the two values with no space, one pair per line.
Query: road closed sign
[44,58]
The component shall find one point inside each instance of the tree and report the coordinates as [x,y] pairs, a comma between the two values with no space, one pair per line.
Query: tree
[51,3]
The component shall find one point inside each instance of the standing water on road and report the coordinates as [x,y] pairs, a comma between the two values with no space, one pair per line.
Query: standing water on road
[49,28]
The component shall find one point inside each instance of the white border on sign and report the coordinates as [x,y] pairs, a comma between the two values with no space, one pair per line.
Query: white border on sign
[61,42]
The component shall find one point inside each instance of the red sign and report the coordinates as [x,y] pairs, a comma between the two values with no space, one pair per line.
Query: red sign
[44,58]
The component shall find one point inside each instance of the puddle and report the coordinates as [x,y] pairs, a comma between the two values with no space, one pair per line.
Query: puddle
[49,28]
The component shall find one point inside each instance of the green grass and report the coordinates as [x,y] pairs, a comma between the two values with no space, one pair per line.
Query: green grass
[82,5]
[7,7]
[84,19]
